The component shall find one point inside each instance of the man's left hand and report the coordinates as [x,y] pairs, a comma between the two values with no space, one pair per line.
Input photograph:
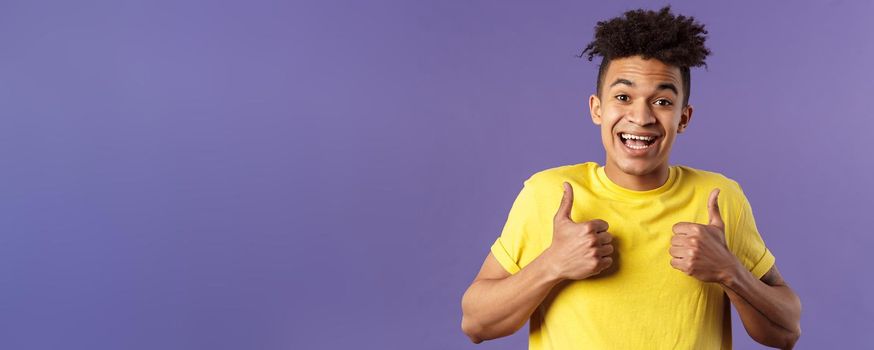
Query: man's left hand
[700,250]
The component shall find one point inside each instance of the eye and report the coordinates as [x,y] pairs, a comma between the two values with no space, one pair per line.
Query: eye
[663,102]
[623,98]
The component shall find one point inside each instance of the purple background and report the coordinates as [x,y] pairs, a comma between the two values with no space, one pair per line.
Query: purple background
[274,175]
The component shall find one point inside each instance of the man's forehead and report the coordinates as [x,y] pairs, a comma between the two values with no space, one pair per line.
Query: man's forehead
[637,71]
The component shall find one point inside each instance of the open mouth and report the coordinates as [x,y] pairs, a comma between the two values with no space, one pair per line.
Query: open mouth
[637,142]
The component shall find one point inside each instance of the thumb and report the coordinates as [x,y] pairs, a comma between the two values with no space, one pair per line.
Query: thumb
[713,209]
[567,203]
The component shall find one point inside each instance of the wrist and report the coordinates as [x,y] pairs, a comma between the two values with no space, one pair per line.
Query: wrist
[731,275]
[548,268]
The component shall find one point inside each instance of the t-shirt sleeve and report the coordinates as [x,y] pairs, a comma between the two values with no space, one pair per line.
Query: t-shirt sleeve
[517,236]
[745,241]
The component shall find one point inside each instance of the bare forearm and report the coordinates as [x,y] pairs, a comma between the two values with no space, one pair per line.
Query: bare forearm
[770,314]
[498,308]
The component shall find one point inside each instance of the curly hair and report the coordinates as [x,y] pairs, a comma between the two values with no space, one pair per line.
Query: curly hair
[674,40]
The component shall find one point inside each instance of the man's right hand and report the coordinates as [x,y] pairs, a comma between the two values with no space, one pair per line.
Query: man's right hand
[578,250]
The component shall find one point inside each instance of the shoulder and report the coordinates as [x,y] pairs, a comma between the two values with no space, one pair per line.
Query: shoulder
[552,178]
[704,181]
[700,177]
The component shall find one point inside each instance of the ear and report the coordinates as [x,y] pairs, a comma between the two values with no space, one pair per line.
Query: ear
[595,109]
[685,118]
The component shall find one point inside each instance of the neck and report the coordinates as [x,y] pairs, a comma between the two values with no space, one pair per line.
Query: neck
[649,181]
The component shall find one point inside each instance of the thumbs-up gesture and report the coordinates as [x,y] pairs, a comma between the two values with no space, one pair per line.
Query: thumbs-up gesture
[700,250]
[578,250]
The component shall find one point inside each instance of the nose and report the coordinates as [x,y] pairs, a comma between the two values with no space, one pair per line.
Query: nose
[641,115]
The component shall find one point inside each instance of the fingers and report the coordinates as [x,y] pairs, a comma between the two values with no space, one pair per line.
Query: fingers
[604,250]
[684,228]
[598,225]
[679,252]
[713,209]
[604,263]
[567,203]
[604,237]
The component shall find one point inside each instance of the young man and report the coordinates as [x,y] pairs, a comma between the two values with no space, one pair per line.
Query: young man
[635,254]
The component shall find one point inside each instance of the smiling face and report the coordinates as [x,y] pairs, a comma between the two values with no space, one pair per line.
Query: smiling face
[640,112]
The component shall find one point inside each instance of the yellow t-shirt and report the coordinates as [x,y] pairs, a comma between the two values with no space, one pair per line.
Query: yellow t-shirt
[641,302]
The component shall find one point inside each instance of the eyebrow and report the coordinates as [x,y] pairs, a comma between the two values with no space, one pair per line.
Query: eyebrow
[662,86]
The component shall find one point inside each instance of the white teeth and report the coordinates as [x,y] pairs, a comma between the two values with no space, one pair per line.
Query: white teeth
[644,138]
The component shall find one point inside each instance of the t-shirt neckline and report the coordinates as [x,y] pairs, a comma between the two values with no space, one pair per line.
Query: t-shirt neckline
[613,187]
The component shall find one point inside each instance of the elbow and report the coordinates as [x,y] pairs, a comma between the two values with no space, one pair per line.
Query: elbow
[790,334]
[792,338]
[472,330]
[777,337]
[784,340]
[795,333]
[478,332]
